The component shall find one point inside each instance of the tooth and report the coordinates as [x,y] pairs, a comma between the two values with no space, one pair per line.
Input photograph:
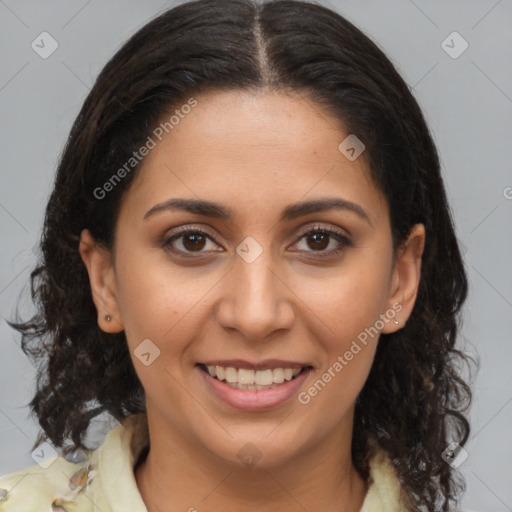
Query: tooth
[246,376]
[221,372]
[263,378]
[250,379]
[231,374]
[278,375]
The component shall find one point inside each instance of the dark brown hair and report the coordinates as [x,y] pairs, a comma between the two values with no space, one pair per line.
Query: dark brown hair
[414,400]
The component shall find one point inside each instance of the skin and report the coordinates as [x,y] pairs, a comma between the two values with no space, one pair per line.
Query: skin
[254,153]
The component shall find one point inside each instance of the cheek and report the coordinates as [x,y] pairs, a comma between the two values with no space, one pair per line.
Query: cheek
[343,327]
[344,311]
[344,303]
[158,300]
[161,303]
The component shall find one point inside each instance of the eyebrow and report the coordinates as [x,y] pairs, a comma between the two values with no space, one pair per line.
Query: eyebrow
[292,211]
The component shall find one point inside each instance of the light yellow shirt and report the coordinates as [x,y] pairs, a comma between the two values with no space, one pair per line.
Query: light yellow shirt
[105,481]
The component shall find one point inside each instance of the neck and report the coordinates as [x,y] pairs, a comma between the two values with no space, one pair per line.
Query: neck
[177,476]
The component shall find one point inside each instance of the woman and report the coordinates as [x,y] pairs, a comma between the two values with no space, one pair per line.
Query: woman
[249,261]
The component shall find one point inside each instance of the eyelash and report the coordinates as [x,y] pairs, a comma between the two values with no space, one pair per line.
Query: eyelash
[343,241]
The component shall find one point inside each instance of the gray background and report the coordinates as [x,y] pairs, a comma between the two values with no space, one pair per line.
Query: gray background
[467,102]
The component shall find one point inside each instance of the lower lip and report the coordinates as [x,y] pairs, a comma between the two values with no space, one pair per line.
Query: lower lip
[256,399]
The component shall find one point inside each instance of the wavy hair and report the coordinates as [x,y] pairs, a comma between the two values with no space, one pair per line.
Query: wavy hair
[414,401]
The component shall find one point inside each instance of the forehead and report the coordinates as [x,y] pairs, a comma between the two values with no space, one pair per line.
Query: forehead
[253,149]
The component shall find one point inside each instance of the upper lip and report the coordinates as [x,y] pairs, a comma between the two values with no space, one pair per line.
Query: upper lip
[259,365]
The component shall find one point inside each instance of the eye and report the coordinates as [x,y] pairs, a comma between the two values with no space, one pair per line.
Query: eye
[194,242]
[323,241]
[188,241]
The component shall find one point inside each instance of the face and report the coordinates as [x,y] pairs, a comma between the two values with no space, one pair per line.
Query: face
[250,249]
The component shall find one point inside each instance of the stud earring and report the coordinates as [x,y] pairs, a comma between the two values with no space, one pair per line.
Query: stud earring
[396,321]
[107,317]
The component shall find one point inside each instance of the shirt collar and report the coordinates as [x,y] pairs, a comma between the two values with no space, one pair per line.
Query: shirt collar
[131,440]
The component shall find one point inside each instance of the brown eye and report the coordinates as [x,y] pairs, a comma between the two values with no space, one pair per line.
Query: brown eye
[191,242]
[194,242]
[318,241]
[322,242]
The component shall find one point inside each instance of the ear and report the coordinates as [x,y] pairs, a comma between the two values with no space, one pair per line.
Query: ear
[98,262]
[406,278]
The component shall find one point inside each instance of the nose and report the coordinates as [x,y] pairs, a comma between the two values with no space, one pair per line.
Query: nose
[255,299]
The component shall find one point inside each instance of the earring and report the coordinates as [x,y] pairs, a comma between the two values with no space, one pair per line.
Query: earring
[107,317]
[396,321]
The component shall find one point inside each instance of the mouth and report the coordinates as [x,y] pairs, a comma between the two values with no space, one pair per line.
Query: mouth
[244,376]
